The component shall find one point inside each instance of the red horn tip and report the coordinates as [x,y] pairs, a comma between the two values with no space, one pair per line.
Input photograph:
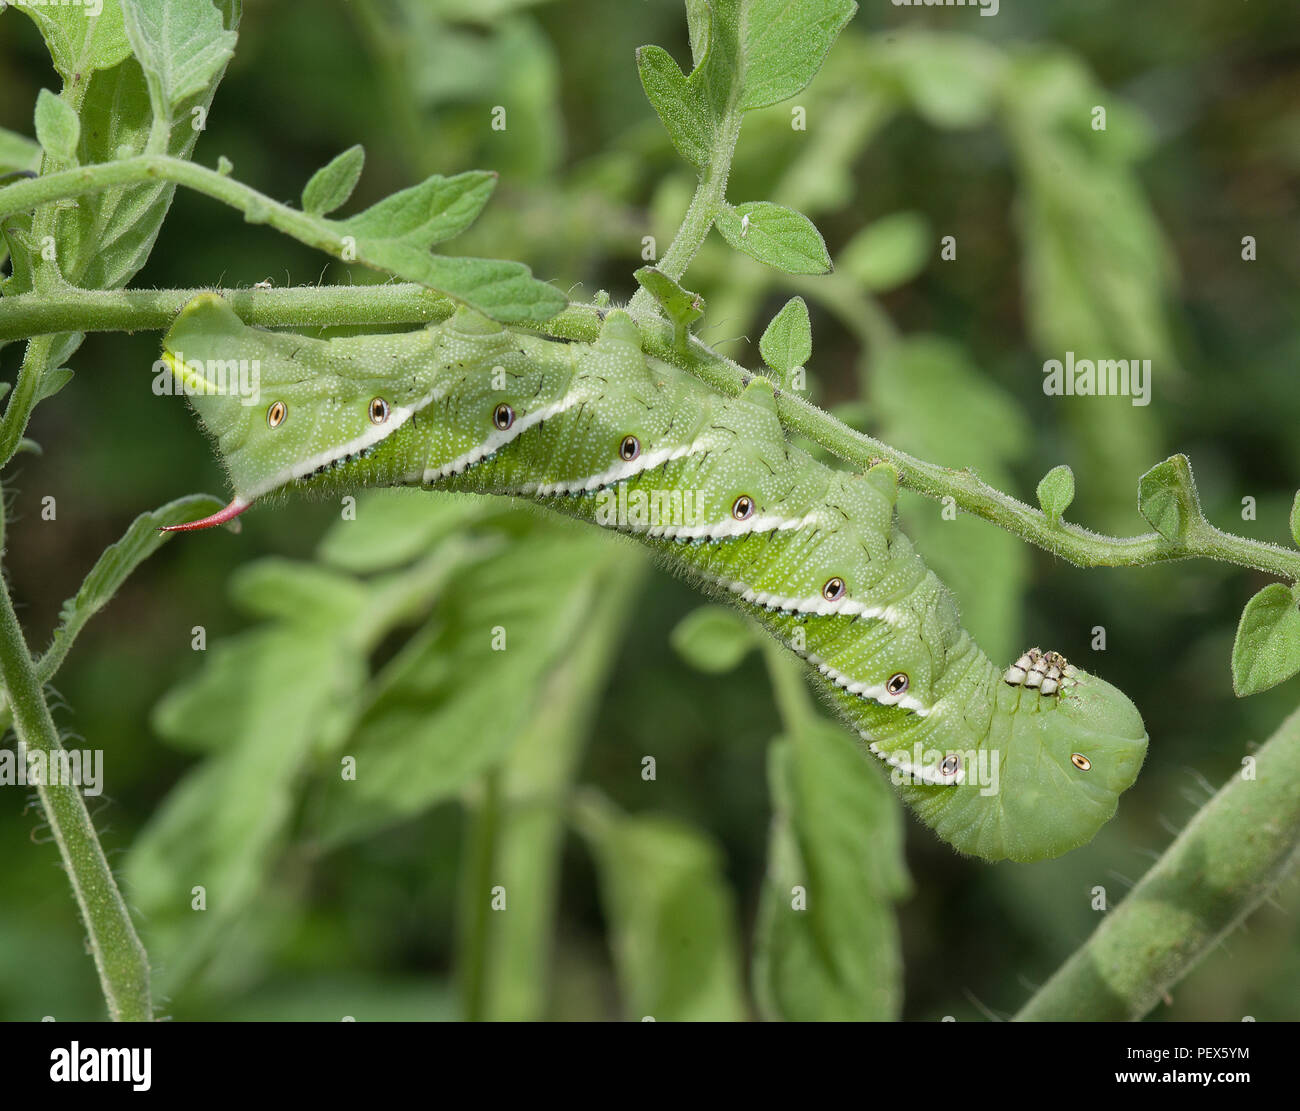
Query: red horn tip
[220,517]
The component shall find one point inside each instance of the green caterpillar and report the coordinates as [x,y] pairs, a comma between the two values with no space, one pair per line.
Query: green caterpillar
[1023,764]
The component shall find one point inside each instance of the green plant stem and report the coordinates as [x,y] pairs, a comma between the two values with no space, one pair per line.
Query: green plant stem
[120,958]
[710,195]
[119,310]
[537,783]
[1220,868]
[258,208]
[789,688]
[404,303]
[479,877]
[22,400]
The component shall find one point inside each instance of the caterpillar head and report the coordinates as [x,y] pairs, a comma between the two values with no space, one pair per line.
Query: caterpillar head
[1069,762]
[1061,747]
[285,409]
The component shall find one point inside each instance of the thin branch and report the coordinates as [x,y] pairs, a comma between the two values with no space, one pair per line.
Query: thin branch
[137,310]
[258,208]
[710,196]
[120,957]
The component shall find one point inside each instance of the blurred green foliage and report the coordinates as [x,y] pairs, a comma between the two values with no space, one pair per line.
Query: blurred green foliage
[326,640]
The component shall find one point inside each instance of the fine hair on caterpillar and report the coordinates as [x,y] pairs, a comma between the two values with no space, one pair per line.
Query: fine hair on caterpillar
[1022,763]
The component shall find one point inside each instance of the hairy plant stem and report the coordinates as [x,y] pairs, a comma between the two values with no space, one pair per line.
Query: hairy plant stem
[404,303]
[120,957]
[1220,868]
[36,360]
[710,196]
[120,310]
[257,208]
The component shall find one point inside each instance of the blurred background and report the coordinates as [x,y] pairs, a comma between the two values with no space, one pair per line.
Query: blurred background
[327,897]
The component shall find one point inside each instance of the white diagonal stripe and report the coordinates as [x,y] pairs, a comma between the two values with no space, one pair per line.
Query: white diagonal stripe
[397,417]
[874,692]
[814,605]
[725,530]
[648,461]
[498,439]
[931,775]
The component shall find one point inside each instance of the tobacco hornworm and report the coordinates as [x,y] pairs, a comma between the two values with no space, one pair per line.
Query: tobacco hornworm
[1023,764]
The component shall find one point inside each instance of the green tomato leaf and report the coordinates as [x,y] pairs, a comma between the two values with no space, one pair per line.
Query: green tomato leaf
[713,639]
[699,20]
[505,291]
[397,233]
[747,54]
[79,42]
[1056,492]
[298,592]
[331,185]
[681,306]
[1295,520]
[263,706]
[401,525]
[529,840]
[1267,648]
[787,340]
[682,111]
[779,237]
[17,152]
[890,252]
[672,919]
[827,945]
[1097,269]
[1167,498]
[57,127]
[181,45]
[784,44]
[502,621]
[53,381]
[423,215]
[18,245]
[932,400]
[106,238]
